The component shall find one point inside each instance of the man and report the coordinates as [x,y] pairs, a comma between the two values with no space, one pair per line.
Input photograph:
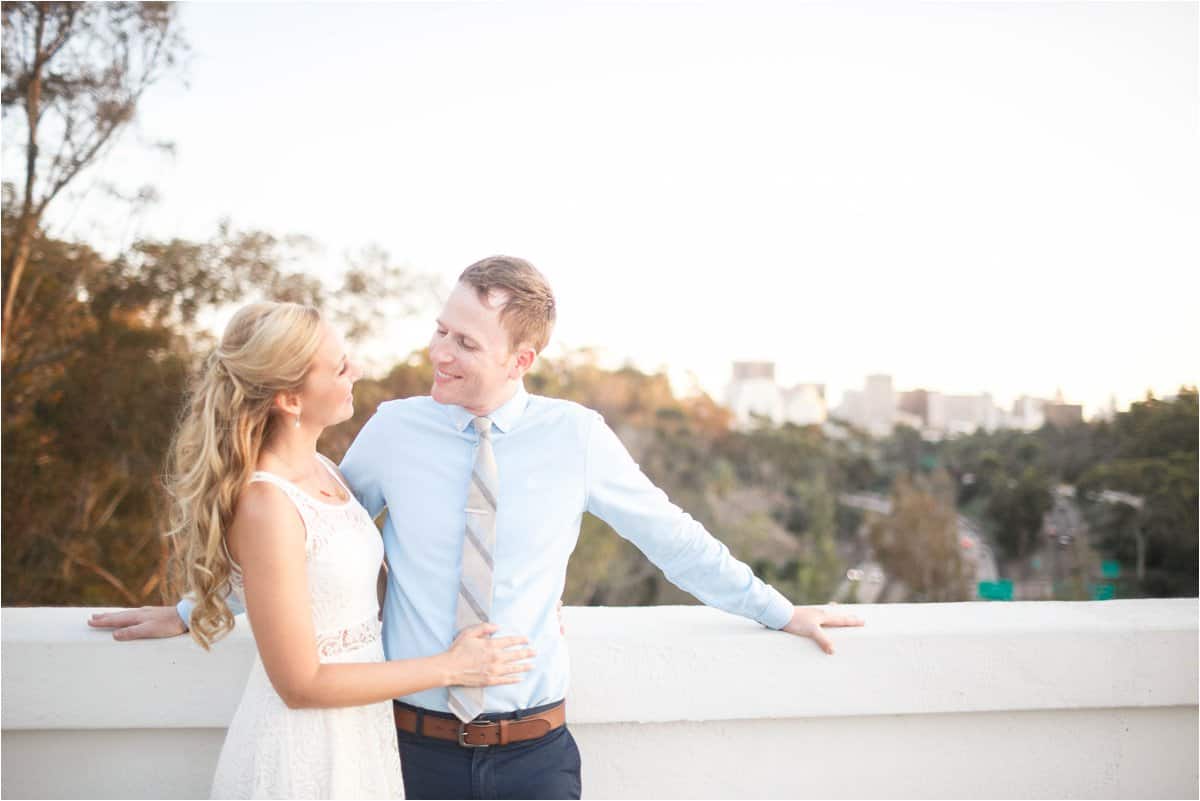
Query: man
[485,487]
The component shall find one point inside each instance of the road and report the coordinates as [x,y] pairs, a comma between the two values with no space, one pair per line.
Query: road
[871,579]
[1067,547]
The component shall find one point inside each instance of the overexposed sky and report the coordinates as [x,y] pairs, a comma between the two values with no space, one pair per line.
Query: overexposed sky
[971,197]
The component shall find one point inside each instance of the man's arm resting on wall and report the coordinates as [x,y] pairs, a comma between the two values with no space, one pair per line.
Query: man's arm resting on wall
[152,622]
[689,556]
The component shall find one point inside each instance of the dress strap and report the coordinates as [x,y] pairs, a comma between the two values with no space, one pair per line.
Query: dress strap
[306,505]
[336,473]
[289,489]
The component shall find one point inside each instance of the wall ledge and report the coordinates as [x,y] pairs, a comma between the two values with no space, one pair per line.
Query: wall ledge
[681,663]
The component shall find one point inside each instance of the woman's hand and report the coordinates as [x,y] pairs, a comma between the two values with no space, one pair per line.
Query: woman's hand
[476,659]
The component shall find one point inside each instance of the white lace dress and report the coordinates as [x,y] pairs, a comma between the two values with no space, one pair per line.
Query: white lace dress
[272,751]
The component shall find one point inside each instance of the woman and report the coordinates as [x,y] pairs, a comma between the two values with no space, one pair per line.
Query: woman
[256,510]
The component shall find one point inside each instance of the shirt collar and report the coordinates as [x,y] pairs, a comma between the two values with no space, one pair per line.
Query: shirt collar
[503,418]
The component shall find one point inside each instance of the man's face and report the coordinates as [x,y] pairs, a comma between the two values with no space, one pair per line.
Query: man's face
[473,365]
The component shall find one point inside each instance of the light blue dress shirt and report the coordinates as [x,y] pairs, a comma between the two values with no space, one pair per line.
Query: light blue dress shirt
[556,460]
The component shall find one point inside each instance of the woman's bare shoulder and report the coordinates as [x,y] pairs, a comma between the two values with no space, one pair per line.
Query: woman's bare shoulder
[264,513]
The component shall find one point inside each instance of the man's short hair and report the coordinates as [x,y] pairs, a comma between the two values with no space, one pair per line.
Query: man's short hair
[528,306]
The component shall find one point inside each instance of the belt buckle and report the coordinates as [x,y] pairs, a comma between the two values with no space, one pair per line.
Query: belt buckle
[462,734]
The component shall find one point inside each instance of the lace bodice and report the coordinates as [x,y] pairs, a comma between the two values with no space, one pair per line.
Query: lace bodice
[344,552]
[274,751]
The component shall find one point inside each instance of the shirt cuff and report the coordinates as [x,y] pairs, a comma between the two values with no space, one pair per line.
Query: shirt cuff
[184,610]
[779,610]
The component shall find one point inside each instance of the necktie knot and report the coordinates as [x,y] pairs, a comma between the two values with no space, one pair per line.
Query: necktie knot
[483,425]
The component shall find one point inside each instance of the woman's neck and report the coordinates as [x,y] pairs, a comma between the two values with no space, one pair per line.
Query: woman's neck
[290,451]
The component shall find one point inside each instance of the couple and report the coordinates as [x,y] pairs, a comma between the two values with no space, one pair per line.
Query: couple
[485,486]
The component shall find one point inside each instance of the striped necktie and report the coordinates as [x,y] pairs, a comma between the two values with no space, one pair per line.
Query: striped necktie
[479,541]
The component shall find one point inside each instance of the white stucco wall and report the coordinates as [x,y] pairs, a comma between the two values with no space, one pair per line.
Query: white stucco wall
[1021,700]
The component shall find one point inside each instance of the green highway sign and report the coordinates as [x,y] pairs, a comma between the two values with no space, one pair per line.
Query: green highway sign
[1001,590]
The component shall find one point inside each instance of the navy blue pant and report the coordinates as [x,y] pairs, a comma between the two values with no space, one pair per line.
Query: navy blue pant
[547,767]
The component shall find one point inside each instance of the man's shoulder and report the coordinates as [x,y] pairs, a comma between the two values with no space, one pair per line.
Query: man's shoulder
[400,408]
[561,410]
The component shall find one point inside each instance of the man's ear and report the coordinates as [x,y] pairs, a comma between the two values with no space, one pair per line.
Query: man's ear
[525,359]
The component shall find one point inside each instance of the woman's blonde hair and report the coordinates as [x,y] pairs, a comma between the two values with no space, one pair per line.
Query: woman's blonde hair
[266,349]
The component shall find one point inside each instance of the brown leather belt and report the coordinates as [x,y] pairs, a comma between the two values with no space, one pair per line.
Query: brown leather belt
[482,733]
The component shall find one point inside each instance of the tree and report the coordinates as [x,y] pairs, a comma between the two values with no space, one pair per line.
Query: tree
[904,450]
[819,570]
[1156,462]
[917,542]
[91,395]
[1016,508]
[75,72]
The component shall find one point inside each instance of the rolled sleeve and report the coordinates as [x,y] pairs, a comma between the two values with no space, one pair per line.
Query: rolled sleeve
[184,609]
[186,606]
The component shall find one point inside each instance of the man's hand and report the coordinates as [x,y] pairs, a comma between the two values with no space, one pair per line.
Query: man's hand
[147,623]
[807,622]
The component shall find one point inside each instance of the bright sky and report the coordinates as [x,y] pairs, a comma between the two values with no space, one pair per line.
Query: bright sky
[971,197]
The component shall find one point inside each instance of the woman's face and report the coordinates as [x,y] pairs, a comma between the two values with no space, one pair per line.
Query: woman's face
[327,398]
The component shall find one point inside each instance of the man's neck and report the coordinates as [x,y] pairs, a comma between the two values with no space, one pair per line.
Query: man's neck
[486,410]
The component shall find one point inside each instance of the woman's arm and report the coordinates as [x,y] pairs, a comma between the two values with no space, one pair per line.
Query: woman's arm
[267,539]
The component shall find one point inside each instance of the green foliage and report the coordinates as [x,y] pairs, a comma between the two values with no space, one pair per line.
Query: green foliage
[74,74]
[96,352]
[818,572]
[1149,452]
[92,390]
[1156,446]
[1015,508]
[906,452]
[917,542]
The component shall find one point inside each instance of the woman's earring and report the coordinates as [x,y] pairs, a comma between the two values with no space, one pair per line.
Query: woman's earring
[297,421]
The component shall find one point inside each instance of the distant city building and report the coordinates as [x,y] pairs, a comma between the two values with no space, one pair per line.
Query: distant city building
[1028,414]
[960,414]
[878,407]
[804,404]
[1108,411]
[1063,414]
[916,404]
[853,408]
[880,400]
[754,394]
[749,371]
[872,408]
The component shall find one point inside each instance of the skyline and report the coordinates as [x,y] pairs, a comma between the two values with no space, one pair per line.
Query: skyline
[841,189]
[758,392]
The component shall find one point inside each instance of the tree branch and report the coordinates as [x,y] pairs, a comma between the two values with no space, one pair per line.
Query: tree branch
[113,581]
